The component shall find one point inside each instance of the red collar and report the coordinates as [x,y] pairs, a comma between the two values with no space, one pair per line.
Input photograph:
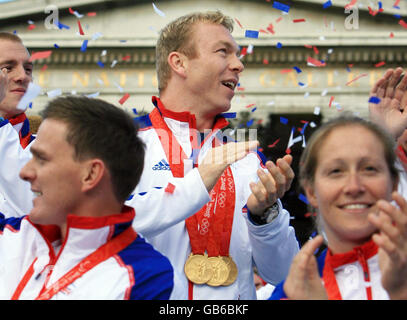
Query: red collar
[53,233]
[333,261]
[186,116]
[17,119]
[24,132]
[367,250]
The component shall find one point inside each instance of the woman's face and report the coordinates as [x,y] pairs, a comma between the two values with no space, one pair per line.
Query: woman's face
[351,175]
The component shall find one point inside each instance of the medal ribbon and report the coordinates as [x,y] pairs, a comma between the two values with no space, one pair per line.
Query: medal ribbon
[24,134]
[101,254]
[207,231]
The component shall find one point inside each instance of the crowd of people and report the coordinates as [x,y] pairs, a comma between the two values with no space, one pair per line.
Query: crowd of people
[168,210]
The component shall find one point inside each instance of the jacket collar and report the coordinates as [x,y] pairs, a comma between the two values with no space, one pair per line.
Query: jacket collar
[89,232]
[186,116]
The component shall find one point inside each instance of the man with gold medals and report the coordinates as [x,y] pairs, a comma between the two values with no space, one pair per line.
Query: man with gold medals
[211,207]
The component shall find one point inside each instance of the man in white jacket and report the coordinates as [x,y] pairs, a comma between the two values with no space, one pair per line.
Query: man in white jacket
[77,241]
[213,227]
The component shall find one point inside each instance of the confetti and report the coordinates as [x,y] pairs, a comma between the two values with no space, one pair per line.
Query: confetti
[331,100]
[92,95]
[84,45]
[403,23]
[170,188]
[270,28]
[315,63]
[251,34]
[357,78]
[91,14]
[124,98]
[249,123]
[379,64]
[303,198]
[158,11]
[238,22]
[283,71]
[250,105]
[280,6]
[273,144]
[97,35]
[279,45]
[317,110]
[374,100]
[101,64]
[134,111]
[229,115]
[54,93]
[297,69]
[40,55]
[298,20]
[327,4]
[351,4]
[283,120]
[80,28]
[32,92]
[62,26]
[56,46]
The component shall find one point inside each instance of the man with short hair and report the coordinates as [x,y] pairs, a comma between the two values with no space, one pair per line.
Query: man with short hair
[15,76]
[77,241]
[212,227]
[14,62]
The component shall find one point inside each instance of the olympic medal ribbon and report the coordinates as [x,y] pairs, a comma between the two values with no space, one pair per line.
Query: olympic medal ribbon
[104,252]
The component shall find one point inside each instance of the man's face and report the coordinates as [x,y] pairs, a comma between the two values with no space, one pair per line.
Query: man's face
[54,175]
[14,58]
[214,73]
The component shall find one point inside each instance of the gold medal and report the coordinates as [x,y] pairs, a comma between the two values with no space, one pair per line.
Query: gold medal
[232,271]
[197,269]
[220,271]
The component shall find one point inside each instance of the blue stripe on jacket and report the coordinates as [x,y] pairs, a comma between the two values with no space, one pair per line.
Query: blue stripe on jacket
[15,223]
[153,273]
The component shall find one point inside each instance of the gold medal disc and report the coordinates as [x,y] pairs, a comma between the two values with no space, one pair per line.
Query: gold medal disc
[232,271]
[197,269]
[220,271]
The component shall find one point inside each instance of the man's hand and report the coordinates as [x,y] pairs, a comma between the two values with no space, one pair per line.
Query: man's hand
[219,158]
[3,83]
[392,241]
[271,185]
[389,111]
[303,281]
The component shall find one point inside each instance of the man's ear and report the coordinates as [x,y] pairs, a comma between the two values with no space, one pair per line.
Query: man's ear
[93,172]
[310,193]
[178,62]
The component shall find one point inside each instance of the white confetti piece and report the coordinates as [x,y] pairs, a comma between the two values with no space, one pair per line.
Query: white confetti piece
[158,11]
[54,93]
[32,92]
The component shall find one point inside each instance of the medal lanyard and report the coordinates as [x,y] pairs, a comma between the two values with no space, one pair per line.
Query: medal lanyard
[101,254]
[206,230]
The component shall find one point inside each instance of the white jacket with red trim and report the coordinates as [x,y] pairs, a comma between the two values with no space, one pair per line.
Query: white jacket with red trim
[353,275]
[161,215]
[32,258]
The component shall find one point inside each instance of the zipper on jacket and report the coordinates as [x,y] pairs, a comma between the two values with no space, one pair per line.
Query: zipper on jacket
[366,275]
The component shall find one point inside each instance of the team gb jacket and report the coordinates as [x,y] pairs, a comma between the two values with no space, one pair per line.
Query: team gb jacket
[33,260]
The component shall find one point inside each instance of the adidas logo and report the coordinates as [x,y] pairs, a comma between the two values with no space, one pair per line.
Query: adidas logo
[162,165]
